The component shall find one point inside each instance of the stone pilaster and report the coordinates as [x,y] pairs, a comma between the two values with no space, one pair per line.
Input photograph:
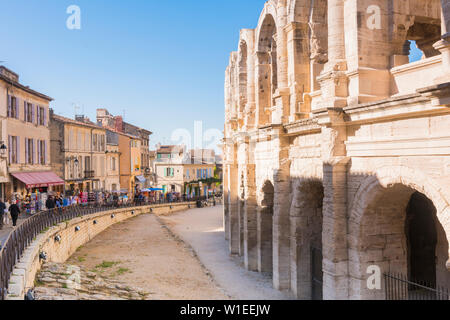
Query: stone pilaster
[298,67]
[333,80]
[444,44]
[334,239]
[250,221]
[281,223]
[233,209]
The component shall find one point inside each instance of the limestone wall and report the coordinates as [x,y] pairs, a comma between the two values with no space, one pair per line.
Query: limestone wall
[24,273]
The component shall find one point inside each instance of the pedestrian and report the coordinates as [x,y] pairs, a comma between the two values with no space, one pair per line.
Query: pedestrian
[14,211]
[2,213]
[50,204]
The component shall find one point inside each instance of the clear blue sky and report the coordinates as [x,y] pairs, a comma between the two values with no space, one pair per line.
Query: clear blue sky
[163,62]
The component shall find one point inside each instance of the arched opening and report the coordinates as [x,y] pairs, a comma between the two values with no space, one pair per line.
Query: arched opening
[421,235]
[306,240]
[264,227]
[267,68]
[399,232]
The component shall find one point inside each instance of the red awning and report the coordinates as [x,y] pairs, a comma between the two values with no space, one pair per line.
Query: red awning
[39,179]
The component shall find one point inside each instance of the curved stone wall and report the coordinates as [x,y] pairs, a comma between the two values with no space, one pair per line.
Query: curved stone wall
[61,241]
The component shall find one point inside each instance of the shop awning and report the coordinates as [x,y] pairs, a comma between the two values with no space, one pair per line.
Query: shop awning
[38,179]
[141,178]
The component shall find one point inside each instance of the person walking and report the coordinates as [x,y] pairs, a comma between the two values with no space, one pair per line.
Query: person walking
[14,211]
[2,213]
[50,204]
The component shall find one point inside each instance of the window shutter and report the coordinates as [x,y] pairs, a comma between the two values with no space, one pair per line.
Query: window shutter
[33,155]
[45,152]
[25,105]
[173,172]
[37,115]
[9,105]
[39,142]
[17,108]
[32,115]
[18,150]
[45,117]
[26,150]
[9,148]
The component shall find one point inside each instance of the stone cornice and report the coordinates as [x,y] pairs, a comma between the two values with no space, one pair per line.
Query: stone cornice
[303,127]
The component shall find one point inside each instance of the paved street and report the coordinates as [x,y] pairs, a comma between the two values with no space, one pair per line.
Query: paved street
[4,233]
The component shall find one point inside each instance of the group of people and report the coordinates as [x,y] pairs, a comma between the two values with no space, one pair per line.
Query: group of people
[10,207]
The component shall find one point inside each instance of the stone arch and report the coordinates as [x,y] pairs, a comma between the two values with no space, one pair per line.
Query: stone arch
[377,226]
[418,21]
[306,221]
[265,228]
[247,51]
[266,65]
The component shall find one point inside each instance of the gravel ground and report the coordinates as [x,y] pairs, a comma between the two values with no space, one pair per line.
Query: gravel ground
[141,253]
[203,230]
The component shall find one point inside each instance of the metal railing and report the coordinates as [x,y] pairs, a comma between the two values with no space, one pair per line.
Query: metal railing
[399,287]
[22,236]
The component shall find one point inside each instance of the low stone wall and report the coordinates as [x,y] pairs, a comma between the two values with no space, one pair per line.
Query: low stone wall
[71,235]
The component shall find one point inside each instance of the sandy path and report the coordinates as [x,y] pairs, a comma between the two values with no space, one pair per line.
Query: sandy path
[145,255]
[203,230]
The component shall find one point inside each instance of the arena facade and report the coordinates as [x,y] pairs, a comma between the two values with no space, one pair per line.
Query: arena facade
[337,148]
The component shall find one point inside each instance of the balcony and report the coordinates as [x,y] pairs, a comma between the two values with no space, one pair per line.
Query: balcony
[89,174]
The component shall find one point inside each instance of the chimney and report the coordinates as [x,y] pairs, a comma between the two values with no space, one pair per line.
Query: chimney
[9,74]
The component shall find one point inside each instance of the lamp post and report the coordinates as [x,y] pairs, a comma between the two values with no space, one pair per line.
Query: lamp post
[3,149]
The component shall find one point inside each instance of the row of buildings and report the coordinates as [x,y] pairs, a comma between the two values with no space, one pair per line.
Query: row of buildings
[195,172]
[42,152]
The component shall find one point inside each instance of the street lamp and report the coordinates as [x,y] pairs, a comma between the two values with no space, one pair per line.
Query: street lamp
[3,149]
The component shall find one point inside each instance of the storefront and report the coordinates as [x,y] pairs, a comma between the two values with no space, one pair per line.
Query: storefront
[35,188]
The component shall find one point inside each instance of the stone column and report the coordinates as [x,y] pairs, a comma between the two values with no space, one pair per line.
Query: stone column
[444,44]
[250,221]
[280,113]
[250,109]
[298,67]
[226,202]
[334,239]
[241,208]
[333,81]
[233,209]
[281,223]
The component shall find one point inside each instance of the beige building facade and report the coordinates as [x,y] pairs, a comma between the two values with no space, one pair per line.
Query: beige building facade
[337,148]
[129,162]
[78,153]
[25,139]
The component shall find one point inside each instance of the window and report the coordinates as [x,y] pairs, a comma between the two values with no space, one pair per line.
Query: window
[42,151]
[102,143]
[94,142]
[41,115]
[199,173]
[13,107]
[14,149]
[169,172]
[29,151]
[187,173]
[113,164]
[28,112]
[158,156]
[86,142]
